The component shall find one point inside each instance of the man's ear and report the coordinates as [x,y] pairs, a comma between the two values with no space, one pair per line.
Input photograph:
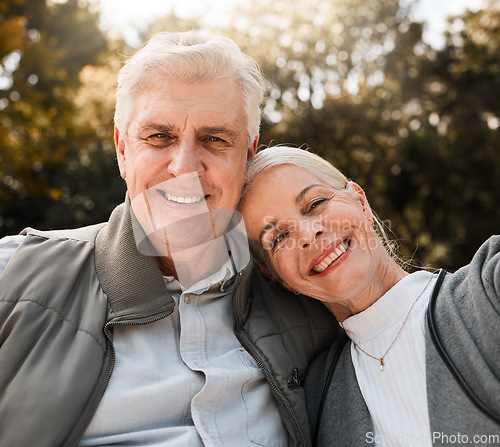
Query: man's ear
[120,153]
[252,149]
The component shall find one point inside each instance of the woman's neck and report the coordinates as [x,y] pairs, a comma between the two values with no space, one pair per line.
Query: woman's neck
[389,274]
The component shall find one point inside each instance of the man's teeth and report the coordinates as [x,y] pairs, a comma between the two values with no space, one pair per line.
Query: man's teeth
[180,199]
[334,255]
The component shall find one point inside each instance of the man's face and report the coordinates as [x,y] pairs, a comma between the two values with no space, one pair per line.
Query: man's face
[185,151]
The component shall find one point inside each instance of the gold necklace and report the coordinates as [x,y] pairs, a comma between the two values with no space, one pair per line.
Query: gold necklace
[381,359]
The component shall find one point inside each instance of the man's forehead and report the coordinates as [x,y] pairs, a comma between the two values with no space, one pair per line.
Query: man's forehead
[162,107]
[191,92]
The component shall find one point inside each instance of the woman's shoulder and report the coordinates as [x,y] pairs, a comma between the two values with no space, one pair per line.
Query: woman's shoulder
[479,278]
[469,296]
[488,252]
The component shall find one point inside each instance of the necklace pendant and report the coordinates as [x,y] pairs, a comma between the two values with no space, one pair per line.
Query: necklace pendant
[382,364]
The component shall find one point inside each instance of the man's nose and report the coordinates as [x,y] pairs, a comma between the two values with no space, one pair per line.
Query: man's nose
[184,159]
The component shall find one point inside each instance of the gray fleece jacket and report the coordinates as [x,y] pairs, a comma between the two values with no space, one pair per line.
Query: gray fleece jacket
[63,292]
[462,366]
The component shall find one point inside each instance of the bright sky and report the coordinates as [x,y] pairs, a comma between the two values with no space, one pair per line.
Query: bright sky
[129,15]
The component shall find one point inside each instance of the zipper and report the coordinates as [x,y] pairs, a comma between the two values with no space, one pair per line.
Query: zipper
[268,377]
[85,420]
[342,337]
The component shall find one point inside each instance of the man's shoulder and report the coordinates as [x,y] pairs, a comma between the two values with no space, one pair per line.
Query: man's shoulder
[11,242]
[288,313]
[83,234]
[287,304]
[8,246]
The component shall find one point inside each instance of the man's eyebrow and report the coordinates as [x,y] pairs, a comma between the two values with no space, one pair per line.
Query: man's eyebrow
[156,127]
[302,193]
[268,227]
[219,131]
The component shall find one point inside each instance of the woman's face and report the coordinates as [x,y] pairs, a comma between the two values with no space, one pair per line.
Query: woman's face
[318,239]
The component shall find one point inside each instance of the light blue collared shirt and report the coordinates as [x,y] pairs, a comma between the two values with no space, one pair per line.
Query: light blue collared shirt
[184,380]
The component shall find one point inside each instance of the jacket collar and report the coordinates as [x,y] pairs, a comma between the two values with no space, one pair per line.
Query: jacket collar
[132,281]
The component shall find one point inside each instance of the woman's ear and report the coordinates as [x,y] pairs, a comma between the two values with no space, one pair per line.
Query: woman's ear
[289,288]
[265,272]
[360,196]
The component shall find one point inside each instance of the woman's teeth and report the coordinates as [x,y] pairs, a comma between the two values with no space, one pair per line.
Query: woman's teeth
[334,255]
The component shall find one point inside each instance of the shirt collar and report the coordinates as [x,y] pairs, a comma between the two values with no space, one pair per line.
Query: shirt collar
[389,309]
[222,280]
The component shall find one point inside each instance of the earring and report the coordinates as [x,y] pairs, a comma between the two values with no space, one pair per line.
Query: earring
[370,221]
[290,288]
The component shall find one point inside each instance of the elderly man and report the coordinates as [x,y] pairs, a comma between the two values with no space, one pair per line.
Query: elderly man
[151,329]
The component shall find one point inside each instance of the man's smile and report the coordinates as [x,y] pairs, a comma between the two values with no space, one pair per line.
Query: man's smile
[184,199]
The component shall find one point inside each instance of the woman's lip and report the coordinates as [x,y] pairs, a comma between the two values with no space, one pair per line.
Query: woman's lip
[324,253]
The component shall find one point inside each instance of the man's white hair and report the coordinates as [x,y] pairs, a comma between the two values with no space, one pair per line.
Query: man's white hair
[189,57]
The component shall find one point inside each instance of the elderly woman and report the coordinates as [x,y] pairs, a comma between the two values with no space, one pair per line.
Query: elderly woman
[418,362]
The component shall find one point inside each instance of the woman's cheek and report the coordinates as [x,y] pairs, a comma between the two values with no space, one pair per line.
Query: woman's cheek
[284,269]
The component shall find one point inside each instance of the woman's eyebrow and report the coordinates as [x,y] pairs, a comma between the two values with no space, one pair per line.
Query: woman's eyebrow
[268,227]
[302,193]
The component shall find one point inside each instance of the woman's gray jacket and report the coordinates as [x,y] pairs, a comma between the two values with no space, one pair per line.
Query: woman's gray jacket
[462,366]
[60,296]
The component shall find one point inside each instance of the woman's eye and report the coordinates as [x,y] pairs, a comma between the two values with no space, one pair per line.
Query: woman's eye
[278,240]
[316,203]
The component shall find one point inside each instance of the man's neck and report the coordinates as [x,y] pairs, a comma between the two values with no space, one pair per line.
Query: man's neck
[192,265]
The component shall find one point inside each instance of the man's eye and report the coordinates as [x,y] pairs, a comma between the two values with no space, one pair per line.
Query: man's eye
[157,136]
[159,139]
[213,139]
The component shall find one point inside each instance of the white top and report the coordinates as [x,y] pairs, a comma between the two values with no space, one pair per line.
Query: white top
[396,397]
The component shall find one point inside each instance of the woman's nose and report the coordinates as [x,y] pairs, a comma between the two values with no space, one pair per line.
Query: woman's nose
[309,233]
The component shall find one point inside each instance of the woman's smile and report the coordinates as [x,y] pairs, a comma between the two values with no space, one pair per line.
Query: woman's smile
[331,256]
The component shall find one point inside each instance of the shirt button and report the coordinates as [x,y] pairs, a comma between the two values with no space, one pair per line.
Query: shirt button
[187,299]
[198,365]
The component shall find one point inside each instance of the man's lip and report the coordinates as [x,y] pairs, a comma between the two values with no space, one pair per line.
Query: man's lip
[324,253]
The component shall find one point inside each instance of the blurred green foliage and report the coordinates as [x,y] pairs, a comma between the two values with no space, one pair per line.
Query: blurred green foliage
[57,165]
[351,79]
